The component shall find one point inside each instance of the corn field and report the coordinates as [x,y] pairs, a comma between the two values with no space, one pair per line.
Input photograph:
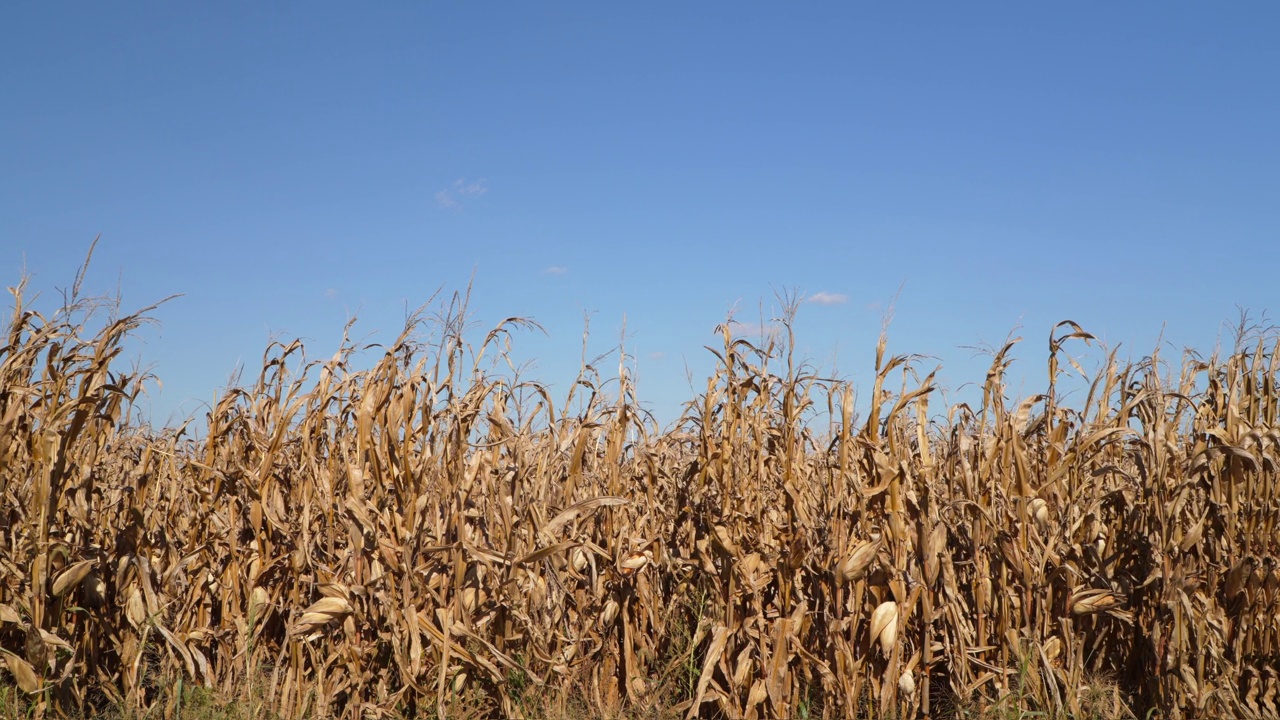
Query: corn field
[427,535]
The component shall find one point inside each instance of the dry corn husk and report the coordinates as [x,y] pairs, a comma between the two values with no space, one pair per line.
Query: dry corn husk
[608,613]
[634,562]
[884,626]
[71,577]
[258,604]
[135,608]
[1039,511]
[321,613]
[1087,602]
[854,567]
[907,684]
[936,546]
[579,559]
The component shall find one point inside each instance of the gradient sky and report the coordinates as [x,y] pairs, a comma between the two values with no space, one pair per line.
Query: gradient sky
[995,166]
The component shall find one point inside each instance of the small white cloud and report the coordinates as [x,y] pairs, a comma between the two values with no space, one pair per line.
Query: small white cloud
[470,189]
[828,298]
[331,292]
[462,189]
[555,270]
[657,355]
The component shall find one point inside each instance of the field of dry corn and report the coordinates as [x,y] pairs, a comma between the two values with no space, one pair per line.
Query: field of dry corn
[425,536]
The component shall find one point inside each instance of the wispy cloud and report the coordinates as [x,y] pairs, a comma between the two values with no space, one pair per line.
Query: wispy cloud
[555,270]
[460,191]
[828,298]
[657,355]
[445,200]
[331,292]
[766,330]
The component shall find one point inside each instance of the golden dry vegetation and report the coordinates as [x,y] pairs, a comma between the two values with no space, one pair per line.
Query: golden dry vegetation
[429,537]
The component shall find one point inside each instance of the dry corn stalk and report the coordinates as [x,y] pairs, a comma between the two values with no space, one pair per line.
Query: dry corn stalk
[430,530]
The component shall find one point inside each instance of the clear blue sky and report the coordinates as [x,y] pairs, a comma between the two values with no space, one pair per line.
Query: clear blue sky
[286,164]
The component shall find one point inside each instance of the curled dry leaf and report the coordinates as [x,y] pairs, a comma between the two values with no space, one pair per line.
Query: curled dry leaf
[469,599]
[1052,648]
[23,674]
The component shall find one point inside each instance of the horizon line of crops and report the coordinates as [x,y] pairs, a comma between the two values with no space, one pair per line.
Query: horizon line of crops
[426,537]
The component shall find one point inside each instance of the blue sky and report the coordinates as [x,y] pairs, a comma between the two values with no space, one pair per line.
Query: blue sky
[286,165]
